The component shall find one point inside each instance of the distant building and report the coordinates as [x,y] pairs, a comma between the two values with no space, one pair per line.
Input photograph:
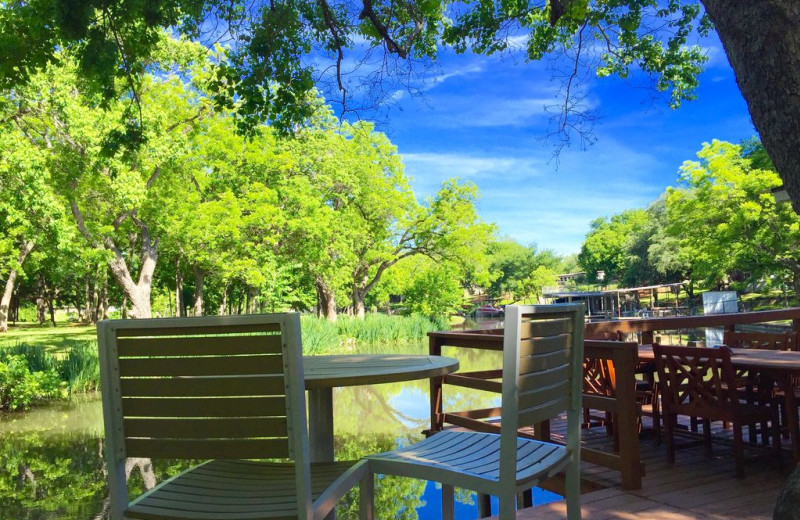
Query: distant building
[615,303]
[565,279]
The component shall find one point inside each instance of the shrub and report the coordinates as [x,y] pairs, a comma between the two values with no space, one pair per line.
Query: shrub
[20,387]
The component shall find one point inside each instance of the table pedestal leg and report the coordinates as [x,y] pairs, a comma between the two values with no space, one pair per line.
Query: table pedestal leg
[791,417]
[320,428]
[320,424]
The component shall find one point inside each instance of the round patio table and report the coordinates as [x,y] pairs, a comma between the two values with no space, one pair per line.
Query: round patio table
[323,373]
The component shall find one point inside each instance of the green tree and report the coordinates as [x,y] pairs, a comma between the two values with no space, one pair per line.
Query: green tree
[115,192]
[434,291]
[268,69]
[724,213]
[31,214]
[607,245]
[520,271]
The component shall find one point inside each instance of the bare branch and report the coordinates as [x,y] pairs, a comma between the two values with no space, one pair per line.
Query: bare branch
[334,30]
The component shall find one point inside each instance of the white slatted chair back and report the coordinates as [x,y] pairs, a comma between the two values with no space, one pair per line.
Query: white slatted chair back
[542,374]
[227,387]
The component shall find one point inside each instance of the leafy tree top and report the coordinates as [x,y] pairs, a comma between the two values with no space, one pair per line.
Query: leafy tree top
[278,50]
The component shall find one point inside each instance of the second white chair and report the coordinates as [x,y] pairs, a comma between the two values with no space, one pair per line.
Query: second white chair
[542,379]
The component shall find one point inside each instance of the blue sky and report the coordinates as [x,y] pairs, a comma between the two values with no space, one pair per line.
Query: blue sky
[483,120]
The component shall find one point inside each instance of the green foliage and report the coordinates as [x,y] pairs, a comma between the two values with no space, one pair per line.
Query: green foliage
[20,387]
[35,374]
[724,214]
[520,272]
[42,476]
[435,293]
[606,247]
[321,336]
[266,75]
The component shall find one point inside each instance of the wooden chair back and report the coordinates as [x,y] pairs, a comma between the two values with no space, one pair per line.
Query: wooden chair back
[542,374]
[202,388]
[762,340]
[695,381]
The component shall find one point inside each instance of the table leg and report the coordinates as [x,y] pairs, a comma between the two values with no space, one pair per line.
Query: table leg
[320,428]
[791,416]
[320,424]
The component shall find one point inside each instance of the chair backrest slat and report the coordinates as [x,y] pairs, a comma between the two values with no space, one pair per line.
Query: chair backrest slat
[244,427]
[201,387]
[206,448]
[542,373]
[215,344]
[252,385]
[201,366]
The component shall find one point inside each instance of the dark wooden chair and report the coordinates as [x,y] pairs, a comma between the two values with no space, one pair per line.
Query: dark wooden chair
[599,379]
[752,387]
[700,382]
[762,340]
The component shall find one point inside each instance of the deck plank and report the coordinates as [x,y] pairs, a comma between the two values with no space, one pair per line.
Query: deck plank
[695,487]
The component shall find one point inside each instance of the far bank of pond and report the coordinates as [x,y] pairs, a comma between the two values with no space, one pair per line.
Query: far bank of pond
[51,464]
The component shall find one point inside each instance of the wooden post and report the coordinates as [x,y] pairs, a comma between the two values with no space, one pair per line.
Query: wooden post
[435,349]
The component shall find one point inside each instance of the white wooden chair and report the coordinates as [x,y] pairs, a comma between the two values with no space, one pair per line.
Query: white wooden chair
[228,389]
[542,378]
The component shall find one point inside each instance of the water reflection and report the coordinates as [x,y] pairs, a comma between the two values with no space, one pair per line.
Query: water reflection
[51,464]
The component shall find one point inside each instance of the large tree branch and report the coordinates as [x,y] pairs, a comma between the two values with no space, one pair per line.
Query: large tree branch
[391,45]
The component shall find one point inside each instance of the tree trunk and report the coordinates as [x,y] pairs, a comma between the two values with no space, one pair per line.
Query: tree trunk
[5,301]
[87,300]
[41,310]
[52,310]
[180,309]
[762,42]
[199,279]
[252,300]
[326,299]
[223,305]
[358,304]
[105,294]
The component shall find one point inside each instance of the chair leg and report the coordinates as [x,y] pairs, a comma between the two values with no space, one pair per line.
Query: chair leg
[572,488]
[508,506]
[448,502]
[669,427]
[366,498]
[656,414]
[707,436]
[738,449]
[484,505]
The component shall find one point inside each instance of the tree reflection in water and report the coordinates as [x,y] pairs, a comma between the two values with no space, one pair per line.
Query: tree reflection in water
[51,464]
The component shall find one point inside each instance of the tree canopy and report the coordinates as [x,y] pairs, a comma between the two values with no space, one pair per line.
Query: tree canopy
[278,50]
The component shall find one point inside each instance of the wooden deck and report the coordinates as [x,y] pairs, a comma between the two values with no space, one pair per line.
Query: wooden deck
[695,487]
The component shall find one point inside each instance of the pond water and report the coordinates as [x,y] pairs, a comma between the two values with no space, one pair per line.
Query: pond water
[51,463]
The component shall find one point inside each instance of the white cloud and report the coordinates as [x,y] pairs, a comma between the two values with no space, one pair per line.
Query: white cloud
[533,201]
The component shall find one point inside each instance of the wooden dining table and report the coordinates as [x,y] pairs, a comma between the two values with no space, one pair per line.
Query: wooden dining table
[781,365]
[324,373]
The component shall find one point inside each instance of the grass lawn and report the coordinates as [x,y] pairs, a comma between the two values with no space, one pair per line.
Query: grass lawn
[53,338]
